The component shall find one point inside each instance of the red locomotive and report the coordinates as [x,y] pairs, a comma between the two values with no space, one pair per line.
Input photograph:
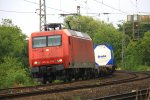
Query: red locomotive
[61,54]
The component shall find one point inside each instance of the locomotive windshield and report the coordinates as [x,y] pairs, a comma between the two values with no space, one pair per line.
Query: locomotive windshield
[46,41]
[39,42]
[54,40]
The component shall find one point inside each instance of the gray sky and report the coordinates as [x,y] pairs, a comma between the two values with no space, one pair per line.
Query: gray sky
[22,12]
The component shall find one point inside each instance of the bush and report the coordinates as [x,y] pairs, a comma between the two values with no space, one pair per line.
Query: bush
[12,74]
[137,68]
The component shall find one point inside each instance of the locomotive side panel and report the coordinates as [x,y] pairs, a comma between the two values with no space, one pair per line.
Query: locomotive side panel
[81,53]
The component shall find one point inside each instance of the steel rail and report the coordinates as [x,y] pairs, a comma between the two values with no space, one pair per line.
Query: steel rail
[133,95]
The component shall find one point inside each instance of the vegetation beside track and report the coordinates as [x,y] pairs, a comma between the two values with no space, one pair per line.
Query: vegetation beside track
[13,56]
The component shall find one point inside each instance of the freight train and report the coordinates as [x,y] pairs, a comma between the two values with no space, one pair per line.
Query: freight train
[64,54]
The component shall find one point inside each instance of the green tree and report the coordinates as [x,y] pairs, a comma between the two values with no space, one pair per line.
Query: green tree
[145,49]
[84,24]
[7,22]
[127,28]
[13,56]
[133,56]
[138,53]
[12,40]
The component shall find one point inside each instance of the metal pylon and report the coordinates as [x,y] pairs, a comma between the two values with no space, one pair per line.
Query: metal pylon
[42,14]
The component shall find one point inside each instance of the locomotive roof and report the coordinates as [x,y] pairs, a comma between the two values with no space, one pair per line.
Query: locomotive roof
[67,31]
[78,34]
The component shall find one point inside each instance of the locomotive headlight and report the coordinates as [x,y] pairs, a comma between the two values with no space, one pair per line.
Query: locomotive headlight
[36,62]
[59,60]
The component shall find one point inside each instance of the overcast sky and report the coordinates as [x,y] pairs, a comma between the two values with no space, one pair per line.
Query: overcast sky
[22,12]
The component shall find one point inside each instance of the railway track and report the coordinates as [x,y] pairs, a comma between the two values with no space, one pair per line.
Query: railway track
[20,92]
[133,95]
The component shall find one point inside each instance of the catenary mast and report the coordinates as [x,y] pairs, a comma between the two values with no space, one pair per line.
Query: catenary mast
[42,15]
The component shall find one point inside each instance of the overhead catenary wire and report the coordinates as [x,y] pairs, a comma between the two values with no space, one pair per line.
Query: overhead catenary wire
[22,12]
[98,13]
[132,3]
[47,6]
[105,13]
[110,6]
[11,11]
[145,13]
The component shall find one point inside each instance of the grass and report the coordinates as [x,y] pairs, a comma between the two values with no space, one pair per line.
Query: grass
[135,68]
[57,81]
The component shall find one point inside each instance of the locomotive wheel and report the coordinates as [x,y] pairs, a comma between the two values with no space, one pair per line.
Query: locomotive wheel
[76,74]
[50,80]
[76,78]
[69,75]
[65,80]
[85,76]
[64,74]
[96,73]
[69,78]
[110,70]
[45,78]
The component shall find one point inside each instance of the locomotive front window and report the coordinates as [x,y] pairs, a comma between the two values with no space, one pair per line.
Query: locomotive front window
[39,42]
[54,40]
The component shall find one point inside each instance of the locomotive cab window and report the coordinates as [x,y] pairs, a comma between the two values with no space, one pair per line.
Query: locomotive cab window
[54,40]
[39,42]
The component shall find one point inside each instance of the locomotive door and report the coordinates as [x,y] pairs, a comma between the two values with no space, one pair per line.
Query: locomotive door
[71,51]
